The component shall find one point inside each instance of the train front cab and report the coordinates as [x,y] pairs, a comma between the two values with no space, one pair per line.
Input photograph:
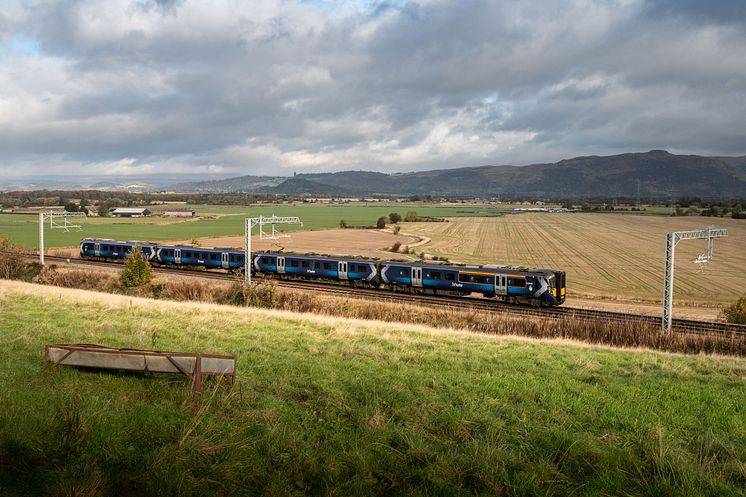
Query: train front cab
[557,281]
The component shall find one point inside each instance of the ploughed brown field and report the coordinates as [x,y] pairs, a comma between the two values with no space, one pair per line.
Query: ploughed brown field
[607,257]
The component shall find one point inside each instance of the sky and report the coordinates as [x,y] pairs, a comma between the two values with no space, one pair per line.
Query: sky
[274,87]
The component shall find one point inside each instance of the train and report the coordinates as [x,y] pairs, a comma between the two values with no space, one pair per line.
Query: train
[539,287]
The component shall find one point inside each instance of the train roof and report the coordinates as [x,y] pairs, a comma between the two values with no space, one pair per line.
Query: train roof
[316,256]
[485,268]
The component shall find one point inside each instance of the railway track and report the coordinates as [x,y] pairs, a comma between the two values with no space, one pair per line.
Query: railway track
[464,303]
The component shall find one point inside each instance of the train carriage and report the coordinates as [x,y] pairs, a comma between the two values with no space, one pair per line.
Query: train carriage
[288,265]
[207,257]
[111,249]
[521,285]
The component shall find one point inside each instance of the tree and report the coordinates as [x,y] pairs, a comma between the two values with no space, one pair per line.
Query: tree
[71,207]
[411,217]
[736,313]
[394,217]
[381,223]
[343,223]
[137,270]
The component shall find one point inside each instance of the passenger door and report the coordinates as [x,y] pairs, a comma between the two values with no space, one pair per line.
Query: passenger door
[281,265]
[225,259]
[417,276]
[501,284]
[97,249]
[177,256]
[342,270]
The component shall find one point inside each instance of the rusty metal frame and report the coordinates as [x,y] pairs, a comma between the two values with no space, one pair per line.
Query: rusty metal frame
[195,376]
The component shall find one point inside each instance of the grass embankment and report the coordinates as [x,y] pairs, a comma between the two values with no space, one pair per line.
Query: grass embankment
[339,407]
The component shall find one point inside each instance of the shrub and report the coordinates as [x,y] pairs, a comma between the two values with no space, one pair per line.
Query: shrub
[11,259]
[394,217]
[411,217]
[395,247]
[76,278]
[12,265]
[235,294]
[736,313]
[381,223]
[397,228]
[261,295]
[343,223]
[137,270]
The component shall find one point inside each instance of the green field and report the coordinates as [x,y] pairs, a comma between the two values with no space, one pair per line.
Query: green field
[24,229]
[331,407]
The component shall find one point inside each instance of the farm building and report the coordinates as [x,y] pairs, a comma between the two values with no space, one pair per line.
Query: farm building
[130,212]
[179,214]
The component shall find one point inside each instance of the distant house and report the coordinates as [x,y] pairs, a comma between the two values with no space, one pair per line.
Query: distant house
[179,214]
[130,212]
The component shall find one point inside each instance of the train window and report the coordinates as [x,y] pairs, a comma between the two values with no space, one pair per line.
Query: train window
[305,264]
[517,282]
[450,277]
[293,263]
[265,260]
[327,265]
[435,276]
[317,265]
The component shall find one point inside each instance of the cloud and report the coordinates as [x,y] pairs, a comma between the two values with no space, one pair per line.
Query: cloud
[232,87]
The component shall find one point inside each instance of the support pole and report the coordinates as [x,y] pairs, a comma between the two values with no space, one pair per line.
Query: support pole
[250,223]
[247,254]
[41,238]
[671,240]
[668,282]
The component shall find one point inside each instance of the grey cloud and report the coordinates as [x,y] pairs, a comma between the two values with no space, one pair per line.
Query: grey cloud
[269,85]
[718,11]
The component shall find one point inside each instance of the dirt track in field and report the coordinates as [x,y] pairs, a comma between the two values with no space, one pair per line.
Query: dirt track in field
[365,243]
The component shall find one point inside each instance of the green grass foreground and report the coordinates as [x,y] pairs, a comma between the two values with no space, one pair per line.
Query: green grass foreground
[326,406]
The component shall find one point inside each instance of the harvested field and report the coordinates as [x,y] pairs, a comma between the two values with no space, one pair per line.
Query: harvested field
[606,256]
[366,243]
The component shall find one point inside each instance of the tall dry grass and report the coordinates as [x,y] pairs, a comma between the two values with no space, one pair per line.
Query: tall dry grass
[268,295]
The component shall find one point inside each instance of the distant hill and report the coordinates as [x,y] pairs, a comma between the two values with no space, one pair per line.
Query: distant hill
[655,173]
[298,185]
[231,185]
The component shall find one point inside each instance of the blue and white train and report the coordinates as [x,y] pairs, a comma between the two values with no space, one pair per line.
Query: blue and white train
[509,284]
